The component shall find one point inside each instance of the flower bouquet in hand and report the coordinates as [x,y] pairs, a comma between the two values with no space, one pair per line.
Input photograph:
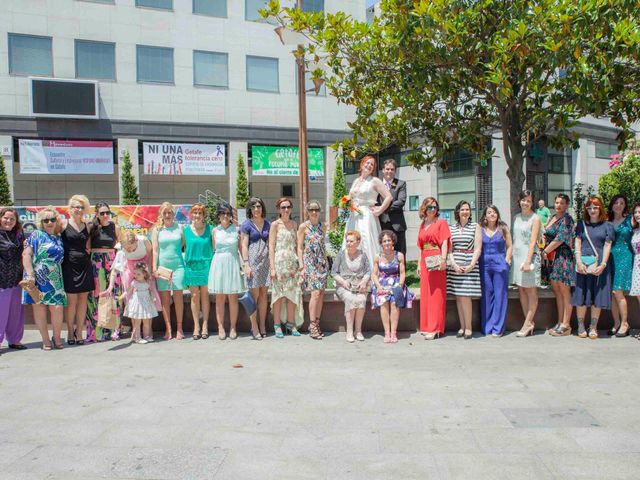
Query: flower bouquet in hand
[347,203]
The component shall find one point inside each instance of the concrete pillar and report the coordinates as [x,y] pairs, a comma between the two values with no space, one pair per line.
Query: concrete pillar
[332,157]
[500,182]
[130,145]
[7,155]
[235,149]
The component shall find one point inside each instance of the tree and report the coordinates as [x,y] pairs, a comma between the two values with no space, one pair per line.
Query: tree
[339,184]
[129,189]
[624,178]
[5,192]
[242,184]
[451,74]
[580,197]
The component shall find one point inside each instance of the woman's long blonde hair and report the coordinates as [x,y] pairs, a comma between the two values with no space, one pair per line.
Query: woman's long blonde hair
[165,206]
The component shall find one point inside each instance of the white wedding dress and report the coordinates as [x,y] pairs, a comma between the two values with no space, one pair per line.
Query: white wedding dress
[367,223]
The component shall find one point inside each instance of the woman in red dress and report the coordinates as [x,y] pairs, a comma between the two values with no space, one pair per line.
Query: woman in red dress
[433,241]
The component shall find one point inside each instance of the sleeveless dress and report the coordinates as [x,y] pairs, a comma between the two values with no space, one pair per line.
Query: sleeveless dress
[622,256]
[258,253]
[316,266]
[522,228]
[365,222]
[125,263]
[225,276]
[494,271]
[389,276]
[635,276]
[463,243]
[286,284]
[48,253]
[563,268]
[140,305]
[170,256]
[77,271]
[198,253]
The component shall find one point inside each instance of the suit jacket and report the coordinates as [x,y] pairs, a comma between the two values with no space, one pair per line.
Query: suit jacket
[394,215]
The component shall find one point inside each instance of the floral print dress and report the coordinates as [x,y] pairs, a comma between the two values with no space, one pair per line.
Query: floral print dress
[48,253]
[316,266]
[286,284]
[563,268]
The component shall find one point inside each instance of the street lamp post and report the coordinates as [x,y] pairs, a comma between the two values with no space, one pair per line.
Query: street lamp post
[302,128]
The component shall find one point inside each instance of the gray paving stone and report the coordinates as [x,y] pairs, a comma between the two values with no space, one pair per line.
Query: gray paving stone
[549,418]
[491,467]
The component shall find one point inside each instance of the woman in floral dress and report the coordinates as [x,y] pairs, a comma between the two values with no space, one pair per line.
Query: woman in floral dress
[283,262]
[313,265]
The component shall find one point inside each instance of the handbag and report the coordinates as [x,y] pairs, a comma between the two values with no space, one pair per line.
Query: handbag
[589,261]
[29,286]
[433,262]
[398,296]
[165,273]
[107,314]
[248,303]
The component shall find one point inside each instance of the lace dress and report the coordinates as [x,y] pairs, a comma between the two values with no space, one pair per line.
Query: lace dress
[522,228]
[140,304]
[365,222]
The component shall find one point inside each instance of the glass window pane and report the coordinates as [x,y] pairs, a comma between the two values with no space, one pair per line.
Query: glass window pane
[155,64]
[95,60]
[605,150]
[262,74]
[313,5]
[252,7]
[164,4]
[30,55]
[210,69]
[215,8]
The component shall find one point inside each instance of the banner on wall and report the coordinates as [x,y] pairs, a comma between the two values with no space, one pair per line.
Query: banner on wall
[65,157]
[284,161]
[139,218]
[183,159]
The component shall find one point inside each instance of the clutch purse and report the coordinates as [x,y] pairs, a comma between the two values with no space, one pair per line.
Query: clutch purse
[164,273]
[29,286]
[433,262]
[248,303]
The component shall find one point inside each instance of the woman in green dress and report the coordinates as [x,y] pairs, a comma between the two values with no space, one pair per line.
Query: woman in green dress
[168,242]
[622,262]
[198,253]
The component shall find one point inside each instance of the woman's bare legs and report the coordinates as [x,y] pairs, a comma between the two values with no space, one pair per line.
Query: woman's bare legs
[165,297]
[178,304]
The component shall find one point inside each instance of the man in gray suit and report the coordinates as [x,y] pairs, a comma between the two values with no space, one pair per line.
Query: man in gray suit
[393,217]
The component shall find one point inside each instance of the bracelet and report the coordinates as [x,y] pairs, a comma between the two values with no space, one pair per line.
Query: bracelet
[245,260]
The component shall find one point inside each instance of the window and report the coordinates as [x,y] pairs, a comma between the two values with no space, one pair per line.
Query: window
[162,4]
[262,74]
[287,191]
[251,8]
[30,55]
[313,5]
[414,203]
[210,69]
[457,163]
[95,60]
[308,84]
[215,8]
[605,150]
[155,64]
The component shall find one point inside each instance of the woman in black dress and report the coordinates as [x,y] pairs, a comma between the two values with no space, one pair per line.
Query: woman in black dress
[77,272]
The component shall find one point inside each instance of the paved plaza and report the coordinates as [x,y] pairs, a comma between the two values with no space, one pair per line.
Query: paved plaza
[507,408]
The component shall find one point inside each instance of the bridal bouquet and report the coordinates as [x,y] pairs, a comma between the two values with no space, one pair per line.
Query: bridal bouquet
[346,203]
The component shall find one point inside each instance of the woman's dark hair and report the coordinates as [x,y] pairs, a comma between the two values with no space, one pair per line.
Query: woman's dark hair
[426,203]
[456,212]
[17,228]
[224,207]
[524,194]
[500,224]
[613,200]
[564,197]
[388,233]
[634,224]
[142,266]
[96,225]
[251,203]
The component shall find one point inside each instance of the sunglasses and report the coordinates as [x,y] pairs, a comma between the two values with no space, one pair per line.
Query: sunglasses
[433,207]
[104,214]
[286,207]
[49,220]
[314,210]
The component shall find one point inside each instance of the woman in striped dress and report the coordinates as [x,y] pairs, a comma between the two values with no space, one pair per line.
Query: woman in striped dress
[463,275]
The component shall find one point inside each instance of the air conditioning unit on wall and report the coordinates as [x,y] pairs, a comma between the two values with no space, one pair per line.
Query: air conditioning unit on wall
[63,98]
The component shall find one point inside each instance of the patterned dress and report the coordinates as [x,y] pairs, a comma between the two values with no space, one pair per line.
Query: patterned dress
[286,265]
[48,253]
[563,268]
[463,243]
[522,229]
[622,256]
[258,253]
[635,276]
[388,277]
[316,266]
[354,271]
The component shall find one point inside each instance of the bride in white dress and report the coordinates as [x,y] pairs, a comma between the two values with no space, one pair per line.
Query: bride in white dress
[364,194]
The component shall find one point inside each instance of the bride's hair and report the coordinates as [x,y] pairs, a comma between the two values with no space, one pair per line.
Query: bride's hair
[367,157]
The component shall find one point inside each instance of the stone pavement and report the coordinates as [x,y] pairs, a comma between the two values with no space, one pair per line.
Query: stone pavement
[506,408]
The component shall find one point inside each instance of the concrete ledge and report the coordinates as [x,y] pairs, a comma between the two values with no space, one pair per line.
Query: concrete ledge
[332,319]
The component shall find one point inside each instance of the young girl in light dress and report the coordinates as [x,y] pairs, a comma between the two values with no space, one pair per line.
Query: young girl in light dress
[140,306]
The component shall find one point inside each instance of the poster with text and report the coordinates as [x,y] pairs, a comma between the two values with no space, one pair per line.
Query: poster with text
[284,161]
[65,157]
[183,159]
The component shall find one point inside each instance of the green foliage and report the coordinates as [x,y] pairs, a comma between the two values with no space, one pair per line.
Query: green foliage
[411,275]
[336,235]
[339,184]
[242,184]
[449,74]
[623,179]
[5,192]
[129,189]
[580,198]
[212,210]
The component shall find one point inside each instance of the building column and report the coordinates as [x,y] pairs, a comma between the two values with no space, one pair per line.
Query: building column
[235,149]
[7,155]
[332,157]
[130,145]
[500,182]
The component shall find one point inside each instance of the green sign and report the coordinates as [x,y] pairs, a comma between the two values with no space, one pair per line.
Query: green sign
[284,161]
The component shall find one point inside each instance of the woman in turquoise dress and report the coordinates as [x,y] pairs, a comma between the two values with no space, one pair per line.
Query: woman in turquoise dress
[198,253]
[622,263]
[168,242]
[225,277]
[42,262]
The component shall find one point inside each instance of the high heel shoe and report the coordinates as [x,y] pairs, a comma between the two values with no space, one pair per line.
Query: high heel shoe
[57,346]
[460,333]
[623,334]
[432,335]
[71,341]
[292,329]
[525,332]
[468,334]
[277,328]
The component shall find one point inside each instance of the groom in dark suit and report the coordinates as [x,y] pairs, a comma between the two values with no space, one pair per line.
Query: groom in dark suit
[393,217]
